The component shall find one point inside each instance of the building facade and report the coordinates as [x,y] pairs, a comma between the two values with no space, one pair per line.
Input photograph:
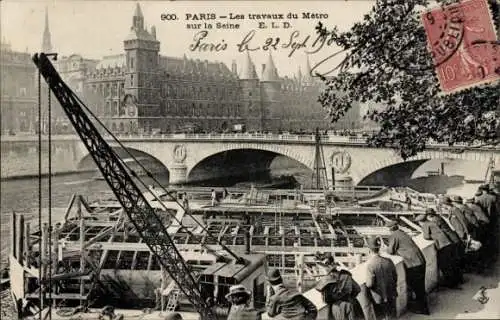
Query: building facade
[18,91]
[143,91]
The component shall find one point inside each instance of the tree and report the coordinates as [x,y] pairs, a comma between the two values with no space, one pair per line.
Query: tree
[388,63]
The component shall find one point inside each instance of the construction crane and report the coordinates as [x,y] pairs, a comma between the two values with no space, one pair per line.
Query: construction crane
[140,213]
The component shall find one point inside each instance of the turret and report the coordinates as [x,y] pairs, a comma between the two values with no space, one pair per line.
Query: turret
[271,96]
[251,106]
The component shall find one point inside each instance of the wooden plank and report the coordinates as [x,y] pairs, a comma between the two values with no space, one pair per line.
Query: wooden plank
[68,208]
[19,237]
[13,232]
[104,233]
[27,244]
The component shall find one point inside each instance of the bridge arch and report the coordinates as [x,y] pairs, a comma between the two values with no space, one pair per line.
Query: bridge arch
[246,157]
[150,162]
[414,162]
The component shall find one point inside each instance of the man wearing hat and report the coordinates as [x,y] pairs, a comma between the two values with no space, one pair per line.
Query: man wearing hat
[446,242]
[239,297]
[457,219]
[487,201]
[401,244]
[339,292]
[472,222]
[382,281]
[287,303]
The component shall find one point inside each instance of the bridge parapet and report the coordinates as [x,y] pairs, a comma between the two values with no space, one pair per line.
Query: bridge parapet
[269,137]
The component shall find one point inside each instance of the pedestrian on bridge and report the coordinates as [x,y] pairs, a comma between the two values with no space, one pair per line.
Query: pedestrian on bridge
[401,244]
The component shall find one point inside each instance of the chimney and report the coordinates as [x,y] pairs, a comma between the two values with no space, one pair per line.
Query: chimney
[247,242]
[234,67]
[263,68]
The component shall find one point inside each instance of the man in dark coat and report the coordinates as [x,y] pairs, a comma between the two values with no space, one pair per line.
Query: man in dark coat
[239,297]
[446,242]
[339,292]
[287,303]
[478,212]
[457,219]
[472,222]
[401,244]
[487,201]
[382,281]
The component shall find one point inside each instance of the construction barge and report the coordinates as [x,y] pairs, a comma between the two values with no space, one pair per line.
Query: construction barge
[94,257]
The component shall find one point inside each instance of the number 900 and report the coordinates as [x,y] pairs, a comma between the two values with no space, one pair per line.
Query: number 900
[168,16]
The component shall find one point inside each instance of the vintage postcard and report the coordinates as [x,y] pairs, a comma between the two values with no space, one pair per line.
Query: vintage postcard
[250,159]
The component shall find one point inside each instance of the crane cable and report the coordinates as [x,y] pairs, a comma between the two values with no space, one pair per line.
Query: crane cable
[40,189]
[49,111]
[169,193]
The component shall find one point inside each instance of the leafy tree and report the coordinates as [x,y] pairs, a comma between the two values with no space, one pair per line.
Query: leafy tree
[388,63]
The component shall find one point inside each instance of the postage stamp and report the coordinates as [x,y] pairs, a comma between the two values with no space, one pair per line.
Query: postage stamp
[463,44]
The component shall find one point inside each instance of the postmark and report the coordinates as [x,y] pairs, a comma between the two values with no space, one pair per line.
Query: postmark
[462,40]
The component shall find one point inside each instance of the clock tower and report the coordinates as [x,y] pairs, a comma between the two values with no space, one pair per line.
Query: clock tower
[142,73]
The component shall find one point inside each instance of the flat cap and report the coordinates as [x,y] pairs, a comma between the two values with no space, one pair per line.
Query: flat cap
[469,200]
[420,217]
[456,198]
[446,200]
[478,193]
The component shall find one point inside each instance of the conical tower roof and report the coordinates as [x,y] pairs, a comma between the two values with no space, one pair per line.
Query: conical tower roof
[248,69]
[270,73]
[138,11]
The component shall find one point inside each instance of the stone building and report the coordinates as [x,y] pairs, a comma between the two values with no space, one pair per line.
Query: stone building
[142,90]
[18,92]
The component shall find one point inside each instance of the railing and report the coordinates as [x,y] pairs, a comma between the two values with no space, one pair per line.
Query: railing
[268,137]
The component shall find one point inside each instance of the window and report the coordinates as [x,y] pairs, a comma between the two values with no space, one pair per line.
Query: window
[131,80]
[132,62]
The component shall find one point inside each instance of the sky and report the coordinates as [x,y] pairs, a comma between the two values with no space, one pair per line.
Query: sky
[94,29]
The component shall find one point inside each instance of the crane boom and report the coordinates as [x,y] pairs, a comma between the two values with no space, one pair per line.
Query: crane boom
[138,210]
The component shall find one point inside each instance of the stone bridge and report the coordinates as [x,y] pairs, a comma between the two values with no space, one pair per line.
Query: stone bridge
[183,154]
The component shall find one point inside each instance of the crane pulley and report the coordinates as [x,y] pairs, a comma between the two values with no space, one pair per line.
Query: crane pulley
[140,213]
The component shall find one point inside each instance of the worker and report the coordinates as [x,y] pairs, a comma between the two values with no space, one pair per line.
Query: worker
[478,212]
[214,197]
[401,244]
[339,291]
[457,219]
[185,201]
[472,222]
[487,202]
[239,297]
[287,303]
[382,281]
[446,242]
